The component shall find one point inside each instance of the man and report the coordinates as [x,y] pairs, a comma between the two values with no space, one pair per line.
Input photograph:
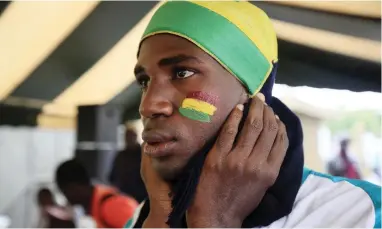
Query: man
[106,206]
[343,165]
[125,173]
[198,62]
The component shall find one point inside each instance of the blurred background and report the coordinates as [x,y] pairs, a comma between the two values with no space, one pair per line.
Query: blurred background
[67,87]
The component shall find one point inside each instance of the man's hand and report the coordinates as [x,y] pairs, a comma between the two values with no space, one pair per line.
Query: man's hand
[236,176]
[158,192]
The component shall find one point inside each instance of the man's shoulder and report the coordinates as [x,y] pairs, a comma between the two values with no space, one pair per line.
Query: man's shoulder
[326,201]
[324,181]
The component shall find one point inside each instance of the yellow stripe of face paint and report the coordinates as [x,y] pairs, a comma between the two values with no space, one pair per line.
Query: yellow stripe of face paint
[251,20]
[199,106]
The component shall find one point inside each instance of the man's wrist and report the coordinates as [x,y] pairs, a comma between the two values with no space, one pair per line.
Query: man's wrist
[160,207]
[155,221]
[198,218]
[212,221]
[158,215]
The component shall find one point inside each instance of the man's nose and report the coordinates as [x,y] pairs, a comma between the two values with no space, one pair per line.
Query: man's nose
[156,102]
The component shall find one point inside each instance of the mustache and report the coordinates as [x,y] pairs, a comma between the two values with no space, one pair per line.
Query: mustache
[162,128]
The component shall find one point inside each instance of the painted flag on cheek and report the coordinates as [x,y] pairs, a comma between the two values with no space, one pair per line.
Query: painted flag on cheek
[199,106]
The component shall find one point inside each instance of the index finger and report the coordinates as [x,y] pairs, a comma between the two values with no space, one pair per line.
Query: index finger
[252,128]
[227,135]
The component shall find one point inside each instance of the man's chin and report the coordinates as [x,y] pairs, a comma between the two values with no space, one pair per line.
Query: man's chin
[169,174]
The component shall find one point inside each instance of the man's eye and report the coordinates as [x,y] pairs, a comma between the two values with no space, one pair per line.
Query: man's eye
[143,83]
[181,74]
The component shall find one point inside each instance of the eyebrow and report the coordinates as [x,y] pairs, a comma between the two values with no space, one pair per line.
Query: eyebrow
[169,61]
[177,59]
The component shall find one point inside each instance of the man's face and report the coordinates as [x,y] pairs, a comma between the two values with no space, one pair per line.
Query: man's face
[169,69]
[344,144]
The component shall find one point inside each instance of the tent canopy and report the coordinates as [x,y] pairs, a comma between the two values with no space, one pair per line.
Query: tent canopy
[57,55]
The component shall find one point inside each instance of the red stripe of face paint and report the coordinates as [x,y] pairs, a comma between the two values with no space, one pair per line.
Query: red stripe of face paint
[204,96]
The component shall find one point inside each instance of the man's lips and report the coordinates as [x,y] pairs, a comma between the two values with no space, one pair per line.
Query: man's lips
[157,144]
[159,149]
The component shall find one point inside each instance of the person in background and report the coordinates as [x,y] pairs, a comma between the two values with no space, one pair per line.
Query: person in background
[51,214]
[107,207]
[343,165]
[125,173]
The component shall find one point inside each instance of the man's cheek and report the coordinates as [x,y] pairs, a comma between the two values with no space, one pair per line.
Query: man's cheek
[199,106]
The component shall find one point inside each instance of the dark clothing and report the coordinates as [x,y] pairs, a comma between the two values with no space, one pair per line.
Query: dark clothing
[125,173]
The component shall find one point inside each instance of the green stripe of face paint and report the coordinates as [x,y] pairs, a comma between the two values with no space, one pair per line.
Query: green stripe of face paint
[194,115]
[216,34]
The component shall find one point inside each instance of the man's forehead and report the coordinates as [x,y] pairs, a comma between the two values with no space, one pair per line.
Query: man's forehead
[163,46]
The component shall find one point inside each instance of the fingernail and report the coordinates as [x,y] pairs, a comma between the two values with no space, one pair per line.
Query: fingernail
[277,117]
[261,96]
[240,107]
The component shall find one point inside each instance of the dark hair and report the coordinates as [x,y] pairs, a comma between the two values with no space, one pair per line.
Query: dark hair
[71,172]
